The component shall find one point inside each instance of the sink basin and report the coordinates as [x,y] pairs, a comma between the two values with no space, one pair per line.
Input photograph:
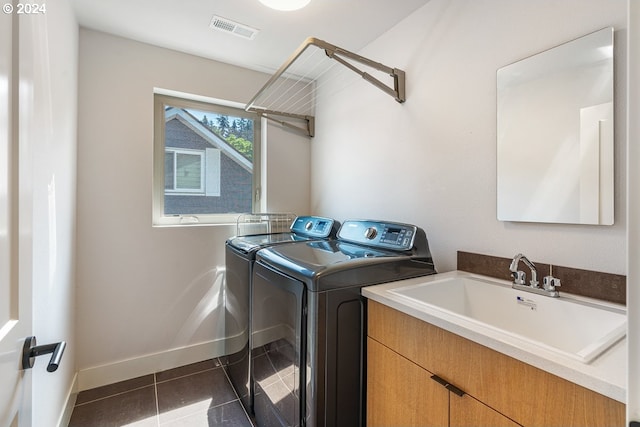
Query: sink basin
[573,328]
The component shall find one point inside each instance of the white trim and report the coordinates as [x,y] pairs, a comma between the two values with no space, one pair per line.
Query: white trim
[199,98]
[98,376]
[224,220]
[72,395]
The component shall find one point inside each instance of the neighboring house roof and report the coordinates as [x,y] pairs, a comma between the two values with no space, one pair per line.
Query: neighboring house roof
[204,132]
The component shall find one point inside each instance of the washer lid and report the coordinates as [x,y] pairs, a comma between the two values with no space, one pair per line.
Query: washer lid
[258,241]
[325,265]
[321,255]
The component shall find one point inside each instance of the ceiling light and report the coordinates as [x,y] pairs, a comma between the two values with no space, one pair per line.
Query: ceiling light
[285,4]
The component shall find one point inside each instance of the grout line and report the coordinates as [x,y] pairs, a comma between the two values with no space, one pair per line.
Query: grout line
[113,395]
[235,392]
[278,372]
[230,383]
[155,388]
[189,415]
[188,375]
[155,382]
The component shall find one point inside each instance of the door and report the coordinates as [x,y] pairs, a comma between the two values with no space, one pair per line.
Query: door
[401,393]
[633,218]
[467,411]
[15,240]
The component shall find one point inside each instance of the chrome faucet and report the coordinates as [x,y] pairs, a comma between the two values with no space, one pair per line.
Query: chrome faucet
[520,278]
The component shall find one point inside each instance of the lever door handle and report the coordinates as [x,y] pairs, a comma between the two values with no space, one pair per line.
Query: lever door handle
[30,351]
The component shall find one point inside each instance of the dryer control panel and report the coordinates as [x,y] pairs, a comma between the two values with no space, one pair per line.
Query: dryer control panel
[388,235]
[314,226]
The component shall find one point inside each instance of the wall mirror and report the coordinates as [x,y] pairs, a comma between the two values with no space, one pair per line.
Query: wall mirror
[555,134]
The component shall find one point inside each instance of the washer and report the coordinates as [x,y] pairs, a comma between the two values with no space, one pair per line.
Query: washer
[308,320]
[240,252]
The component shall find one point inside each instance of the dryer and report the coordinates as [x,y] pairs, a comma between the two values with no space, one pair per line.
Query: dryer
[240,252]
[308,320]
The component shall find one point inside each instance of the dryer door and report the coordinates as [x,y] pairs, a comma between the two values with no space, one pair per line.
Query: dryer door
[278,322]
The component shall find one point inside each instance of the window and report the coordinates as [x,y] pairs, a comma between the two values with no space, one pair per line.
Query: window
[205,161]
[183,171]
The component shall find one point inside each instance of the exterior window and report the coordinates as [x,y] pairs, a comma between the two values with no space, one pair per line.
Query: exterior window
[205,168]
[183,172]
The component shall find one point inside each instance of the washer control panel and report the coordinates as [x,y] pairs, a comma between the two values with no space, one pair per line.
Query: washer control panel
[314,226]
[389,235]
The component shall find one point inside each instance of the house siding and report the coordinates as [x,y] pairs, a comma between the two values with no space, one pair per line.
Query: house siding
[235,186]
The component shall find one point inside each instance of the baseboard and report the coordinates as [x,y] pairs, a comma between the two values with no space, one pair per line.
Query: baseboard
[72,394]
[151,363]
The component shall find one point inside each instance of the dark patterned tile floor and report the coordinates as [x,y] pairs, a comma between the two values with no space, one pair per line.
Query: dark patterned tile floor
[197,395]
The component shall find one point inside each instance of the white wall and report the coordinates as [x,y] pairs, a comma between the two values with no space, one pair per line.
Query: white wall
[287,166]
[48,115]
[144,293]
[148,298]
[432,160]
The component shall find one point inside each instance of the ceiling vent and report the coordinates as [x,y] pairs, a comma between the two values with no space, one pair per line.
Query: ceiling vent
[228,26]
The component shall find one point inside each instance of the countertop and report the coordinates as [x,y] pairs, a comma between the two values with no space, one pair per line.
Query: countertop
[607,374]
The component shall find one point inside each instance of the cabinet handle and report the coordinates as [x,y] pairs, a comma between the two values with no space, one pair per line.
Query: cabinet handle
[455,390]
[439,380]
[448,385]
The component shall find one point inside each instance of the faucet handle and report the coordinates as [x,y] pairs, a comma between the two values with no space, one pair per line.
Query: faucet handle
[519,277]
[550,283]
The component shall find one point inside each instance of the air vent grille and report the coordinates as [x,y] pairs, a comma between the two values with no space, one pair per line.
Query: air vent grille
[228,26]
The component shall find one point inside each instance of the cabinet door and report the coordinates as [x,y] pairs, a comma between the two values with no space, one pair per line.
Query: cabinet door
[492,377]
[467,411]
[401,393]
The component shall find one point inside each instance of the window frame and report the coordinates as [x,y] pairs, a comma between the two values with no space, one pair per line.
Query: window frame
[162,98]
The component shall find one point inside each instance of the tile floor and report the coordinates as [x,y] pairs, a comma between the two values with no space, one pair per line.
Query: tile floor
[276,374]
[197,395]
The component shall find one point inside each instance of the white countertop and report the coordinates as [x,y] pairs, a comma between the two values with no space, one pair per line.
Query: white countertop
[607,374]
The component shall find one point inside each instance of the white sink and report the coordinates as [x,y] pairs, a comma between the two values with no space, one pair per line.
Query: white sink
[576,329]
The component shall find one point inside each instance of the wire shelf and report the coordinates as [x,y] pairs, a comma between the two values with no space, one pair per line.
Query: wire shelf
[264,223]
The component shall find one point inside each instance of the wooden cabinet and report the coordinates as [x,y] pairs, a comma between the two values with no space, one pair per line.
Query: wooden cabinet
[404,352]
[401,393]
[465,411]
[393,383]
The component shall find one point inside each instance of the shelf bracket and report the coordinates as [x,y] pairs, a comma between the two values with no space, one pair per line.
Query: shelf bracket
[307,128]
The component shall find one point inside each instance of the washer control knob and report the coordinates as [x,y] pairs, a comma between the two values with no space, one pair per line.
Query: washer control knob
[308,226]
[370,233]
